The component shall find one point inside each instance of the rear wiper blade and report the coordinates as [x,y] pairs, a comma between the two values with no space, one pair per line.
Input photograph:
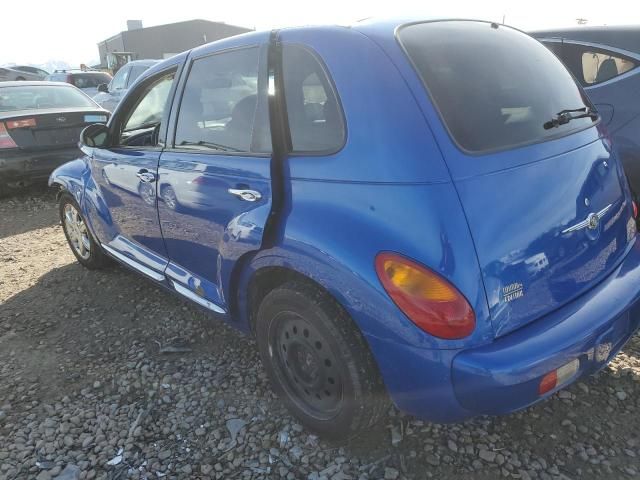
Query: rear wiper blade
[565,116]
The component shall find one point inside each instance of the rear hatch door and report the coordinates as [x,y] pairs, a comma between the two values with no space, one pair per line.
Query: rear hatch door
[547,204]
[547,231]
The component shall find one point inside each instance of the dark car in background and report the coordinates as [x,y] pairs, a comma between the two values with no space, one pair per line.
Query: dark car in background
[40,124]
[110,94]
[87,81]
[605,61]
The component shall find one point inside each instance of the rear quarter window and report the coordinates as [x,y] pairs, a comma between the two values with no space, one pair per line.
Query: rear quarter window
[316,122]
[494,87]
[600,66]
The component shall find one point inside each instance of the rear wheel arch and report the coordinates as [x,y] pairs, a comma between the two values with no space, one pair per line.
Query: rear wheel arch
[266,279]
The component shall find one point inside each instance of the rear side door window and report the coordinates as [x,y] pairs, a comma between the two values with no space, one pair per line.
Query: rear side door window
[315,117]
[221,108]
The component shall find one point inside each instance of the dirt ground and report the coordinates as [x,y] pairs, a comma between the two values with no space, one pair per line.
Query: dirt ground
[87,392]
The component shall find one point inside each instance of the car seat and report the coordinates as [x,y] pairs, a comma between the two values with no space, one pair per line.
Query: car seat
[607,70]
[240,127]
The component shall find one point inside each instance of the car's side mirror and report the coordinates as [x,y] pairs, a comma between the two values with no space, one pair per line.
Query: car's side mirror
[103,87]
[94,136]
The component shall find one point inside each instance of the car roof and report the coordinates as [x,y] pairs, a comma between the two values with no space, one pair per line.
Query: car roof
[76,72]
[34,83]
[373,27]
[624,37]
[145,63]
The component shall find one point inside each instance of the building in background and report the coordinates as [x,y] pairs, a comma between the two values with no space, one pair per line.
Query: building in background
[164,41]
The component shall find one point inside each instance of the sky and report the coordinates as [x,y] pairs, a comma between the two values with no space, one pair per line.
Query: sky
[41,31]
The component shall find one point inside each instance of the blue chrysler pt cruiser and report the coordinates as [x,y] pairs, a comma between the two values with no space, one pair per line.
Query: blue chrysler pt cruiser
[427,212]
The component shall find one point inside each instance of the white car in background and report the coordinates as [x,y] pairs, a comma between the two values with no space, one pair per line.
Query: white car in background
[109,95]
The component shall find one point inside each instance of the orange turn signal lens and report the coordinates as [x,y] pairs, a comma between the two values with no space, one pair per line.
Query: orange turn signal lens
[430,301]
[548,383]
[22,123]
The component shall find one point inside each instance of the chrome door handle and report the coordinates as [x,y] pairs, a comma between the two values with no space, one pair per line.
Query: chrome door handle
[146,177]
[246,195]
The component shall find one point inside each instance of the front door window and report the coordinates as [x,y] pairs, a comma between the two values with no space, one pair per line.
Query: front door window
[143,122]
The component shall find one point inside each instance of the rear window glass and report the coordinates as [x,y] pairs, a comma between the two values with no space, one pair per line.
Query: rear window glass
[90,80]
[42,96]
[494,87]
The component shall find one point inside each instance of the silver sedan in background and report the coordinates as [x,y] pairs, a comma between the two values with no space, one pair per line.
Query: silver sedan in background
[21,72]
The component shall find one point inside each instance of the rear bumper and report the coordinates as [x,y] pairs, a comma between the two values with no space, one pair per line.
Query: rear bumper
[504,376]
[21,165]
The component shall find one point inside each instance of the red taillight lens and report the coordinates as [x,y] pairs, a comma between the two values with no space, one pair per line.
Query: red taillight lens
[5,139]
[69,79]
[635,209]
[429,300]
[22,123]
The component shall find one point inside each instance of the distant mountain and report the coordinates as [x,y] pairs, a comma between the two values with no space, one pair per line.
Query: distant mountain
[53,65]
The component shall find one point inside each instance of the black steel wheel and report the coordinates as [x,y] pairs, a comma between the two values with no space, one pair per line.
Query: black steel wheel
[306,365]
[318,361]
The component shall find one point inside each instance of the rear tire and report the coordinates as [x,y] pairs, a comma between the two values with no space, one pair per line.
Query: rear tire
[318,362]
[86,250]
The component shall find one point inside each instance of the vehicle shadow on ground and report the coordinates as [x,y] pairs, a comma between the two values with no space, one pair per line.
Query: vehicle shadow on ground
[28,210]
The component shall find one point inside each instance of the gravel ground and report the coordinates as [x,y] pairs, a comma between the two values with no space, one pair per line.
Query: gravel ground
[88,390]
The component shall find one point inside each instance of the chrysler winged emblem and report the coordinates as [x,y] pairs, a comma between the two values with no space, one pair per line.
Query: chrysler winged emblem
[591,222]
